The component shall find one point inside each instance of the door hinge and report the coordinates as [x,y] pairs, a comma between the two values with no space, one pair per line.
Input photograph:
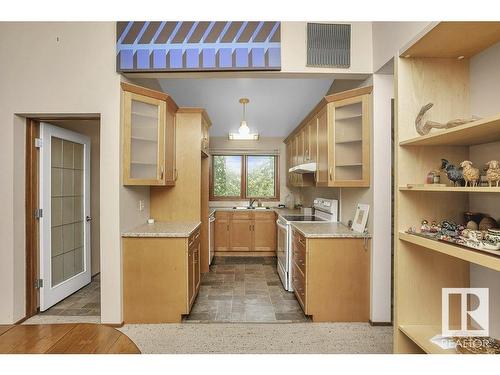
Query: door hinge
[38,283]
[38,213]
[38,142]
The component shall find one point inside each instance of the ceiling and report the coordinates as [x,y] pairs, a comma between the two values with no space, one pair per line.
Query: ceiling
[277,105]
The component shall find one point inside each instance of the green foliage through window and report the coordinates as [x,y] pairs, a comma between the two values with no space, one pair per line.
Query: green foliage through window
[260,176]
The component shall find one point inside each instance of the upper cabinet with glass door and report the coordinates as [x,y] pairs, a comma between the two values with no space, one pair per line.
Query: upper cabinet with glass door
[148,119]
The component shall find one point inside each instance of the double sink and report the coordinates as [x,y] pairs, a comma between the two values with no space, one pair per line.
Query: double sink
[250,208]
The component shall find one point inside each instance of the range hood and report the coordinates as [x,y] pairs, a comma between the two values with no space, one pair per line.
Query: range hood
[304,168]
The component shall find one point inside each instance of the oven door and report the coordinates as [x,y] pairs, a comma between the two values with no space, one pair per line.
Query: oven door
[283,254]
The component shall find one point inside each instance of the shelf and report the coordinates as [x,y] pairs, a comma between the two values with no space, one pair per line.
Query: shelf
[142,163]
[145,115]
[422,335]
[477,132]
[350,165]
[348,141]
[143,139]
[348,117]
[469,255]
[480,189]
[455,39]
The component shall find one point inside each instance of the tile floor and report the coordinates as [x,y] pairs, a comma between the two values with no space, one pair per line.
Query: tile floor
[244,289]
[85,302]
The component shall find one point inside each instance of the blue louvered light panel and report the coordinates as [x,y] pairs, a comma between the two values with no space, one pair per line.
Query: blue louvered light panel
[197,46]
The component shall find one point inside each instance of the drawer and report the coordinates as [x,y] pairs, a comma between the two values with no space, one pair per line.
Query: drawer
[223,215]
[299,255]
[264,215]
[242,215]
[194,237]
[299,286]
[300,238]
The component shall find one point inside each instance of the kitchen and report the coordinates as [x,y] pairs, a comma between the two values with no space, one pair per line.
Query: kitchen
[273,233]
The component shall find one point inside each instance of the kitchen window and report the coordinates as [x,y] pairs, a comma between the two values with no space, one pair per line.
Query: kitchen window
[236,177]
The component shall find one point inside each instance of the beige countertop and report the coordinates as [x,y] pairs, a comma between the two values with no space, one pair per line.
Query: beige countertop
[164,229]
[279,211]
[326,230]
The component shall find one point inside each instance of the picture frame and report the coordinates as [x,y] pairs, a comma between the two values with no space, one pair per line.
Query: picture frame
[361,217]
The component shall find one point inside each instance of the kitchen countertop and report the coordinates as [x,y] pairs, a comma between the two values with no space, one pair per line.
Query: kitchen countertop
[164,229]
[326,230]
[279,211]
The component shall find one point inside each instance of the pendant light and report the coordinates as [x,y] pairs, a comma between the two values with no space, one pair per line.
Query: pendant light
[244,130]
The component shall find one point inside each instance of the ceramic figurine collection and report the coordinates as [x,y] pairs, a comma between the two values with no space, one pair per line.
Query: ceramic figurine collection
[480,232]
[468,175]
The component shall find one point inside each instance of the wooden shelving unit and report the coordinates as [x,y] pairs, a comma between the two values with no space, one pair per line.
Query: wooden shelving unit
[448,189]
[469,255]
[435,69]
[422,335]
[476,132]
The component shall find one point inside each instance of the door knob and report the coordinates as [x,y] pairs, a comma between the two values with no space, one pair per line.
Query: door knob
[88,219]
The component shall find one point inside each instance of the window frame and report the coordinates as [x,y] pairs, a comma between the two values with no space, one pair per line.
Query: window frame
[243,185]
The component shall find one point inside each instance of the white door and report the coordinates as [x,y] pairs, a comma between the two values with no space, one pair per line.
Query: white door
[65,221]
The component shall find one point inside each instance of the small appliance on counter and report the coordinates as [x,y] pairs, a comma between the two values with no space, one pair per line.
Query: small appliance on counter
[325,210]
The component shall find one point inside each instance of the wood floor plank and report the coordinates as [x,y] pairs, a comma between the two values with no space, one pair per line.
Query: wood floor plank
[87,338]
[5,328]
[124,346]
[33,339]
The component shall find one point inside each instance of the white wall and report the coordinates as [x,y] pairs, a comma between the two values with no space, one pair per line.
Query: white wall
[485,101]
[58,68]
[294,49]
[383,92]
[389,37]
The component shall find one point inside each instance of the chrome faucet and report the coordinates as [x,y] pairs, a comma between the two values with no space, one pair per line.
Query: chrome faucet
[251,202]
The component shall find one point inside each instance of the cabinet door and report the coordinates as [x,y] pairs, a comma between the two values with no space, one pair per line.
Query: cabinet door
[190,265]
[322,158]
[350,159]
[264,231]
[205,137]
[313,140]
[170,162]
[222,231]
[241,231]
[143,140]
[196,268]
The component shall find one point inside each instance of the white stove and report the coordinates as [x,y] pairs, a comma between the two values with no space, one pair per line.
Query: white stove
[325,210]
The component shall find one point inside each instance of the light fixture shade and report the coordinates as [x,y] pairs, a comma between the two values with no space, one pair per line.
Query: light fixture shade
[244,137]
[244,129]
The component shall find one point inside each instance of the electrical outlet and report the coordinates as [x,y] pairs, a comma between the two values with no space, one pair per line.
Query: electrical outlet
[141,205]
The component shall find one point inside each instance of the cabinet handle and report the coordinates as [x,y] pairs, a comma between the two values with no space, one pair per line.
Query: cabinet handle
[228,227]
[161,173]
[176,174]
[331,174]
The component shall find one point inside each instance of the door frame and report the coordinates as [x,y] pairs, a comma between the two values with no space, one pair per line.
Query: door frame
[32,224]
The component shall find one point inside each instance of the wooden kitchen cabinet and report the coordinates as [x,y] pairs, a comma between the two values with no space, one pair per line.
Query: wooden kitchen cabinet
[264,231]
[161,277]
[331,277]
[336,135]
[241,234]
[222,225]
[148,119]
[245,231]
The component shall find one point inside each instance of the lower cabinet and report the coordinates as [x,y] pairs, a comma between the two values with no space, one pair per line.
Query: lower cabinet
[161,277]
[331,277]
[246,231]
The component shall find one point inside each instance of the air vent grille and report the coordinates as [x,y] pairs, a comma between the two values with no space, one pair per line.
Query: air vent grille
[329,45]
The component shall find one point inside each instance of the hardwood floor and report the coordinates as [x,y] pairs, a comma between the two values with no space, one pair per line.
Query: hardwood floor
[64,339]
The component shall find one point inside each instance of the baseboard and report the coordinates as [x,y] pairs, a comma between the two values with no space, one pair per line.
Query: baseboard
[380,324]
[114,325]
[21,321]
[245,253]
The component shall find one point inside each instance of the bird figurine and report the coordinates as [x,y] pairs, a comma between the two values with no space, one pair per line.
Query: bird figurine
[493,172]
[471,174]
[453,173]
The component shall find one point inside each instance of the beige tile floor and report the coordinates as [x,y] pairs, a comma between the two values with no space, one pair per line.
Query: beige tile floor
[84,302]
[244,289]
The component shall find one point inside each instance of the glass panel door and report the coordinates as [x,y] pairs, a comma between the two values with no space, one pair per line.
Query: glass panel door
[65,202]
[348,142]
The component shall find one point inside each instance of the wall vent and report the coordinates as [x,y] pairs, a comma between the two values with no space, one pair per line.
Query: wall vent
[329,45]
